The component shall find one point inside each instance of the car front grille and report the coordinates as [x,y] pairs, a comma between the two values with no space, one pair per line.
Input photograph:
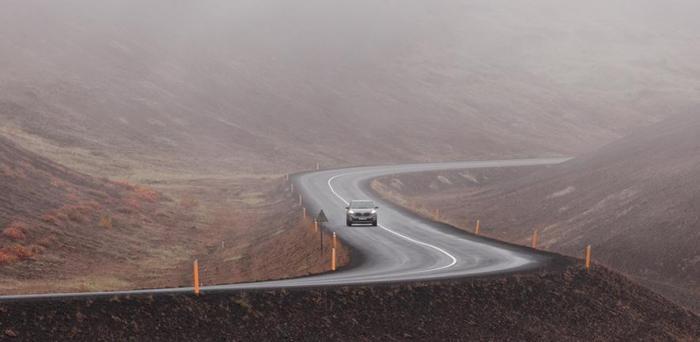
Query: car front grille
[362,214]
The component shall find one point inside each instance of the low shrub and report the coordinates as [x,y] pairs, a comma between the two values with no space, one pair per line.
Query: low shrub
[106,222]
[7,257]
[15,231]
[22,252]
[146,194]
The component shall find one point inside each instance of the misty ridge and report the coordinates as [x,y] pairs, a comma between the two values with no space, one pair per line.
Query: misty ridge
[271,85]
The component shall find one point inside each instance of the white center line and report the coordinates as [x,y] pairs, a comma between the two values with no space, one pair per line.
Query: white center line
[421,243]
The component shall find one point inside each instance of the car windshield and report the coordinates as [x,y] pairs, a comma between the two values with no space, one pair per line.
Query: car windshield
[362,205]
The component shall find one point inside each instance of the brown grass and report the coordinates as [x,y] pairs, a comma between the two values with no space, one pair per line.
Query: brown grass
[189,202]
[124,183]
[46,241]
[133,203]
[58,183]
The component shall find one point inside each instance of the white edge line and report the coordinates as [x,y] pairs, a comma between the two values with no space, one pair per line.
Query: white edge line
[454,260]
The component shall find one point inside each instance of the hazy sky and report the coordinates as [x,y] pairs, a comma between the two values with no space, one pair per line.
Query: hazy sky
[548,74]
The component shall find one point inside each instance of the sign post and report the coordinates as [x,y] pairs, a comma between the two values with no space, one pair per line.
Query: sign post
[321,219]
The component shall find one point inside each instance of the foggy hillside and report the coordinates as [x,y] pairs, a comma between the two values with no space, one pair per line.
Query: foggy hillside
[278,85]
[635,201]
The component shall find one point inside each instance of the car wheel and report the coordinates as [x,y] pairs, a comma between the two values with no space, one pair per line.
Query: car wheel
[374,223]
[348,223]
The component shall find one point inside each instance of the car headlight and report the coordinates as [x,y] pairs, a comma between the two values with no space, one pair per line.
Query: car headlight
[350,212]
[374,212]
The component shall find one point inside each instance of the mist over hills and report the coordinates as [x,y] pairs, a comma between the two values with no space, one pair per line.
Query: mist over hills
[274,85]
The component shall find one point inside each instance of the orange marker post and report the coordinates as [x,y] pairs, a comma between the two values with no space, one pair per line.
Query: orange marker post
[478,227]
[196,277]
[335,241]
[534,238]
[588,258]
[333,259]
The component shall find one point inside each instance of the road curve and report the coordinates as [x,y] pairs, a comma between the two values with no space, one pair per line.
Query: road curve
[404,247]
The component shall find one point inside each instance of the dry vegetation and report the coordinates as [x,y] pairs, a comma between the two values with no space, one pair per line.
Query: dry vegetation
[65,231]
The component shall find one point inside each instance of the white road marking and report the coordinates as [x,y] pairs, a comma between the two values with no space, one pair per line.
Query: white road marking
[421,243]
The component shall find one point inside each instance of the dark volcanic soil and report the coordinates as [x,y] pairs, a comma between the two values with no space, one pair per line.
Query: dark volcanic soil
[560,304]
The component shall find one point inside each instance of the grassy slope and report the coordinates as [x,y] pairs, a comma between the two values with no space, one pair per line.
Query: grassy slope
[65,231]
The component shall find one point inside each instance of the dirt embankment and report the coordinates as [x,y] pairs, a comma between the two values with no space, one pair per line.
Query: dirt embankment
[563,303]
[63,231]
[256,231]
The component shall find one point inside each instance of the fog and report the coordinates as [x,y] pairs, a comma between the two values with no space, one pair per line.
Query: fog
[277,81]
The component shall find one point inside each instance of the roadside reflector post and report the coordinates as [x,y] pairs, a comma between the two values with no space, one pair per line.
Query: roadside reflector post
[588,258]
[315,225]
[291,188]
[478,227]
[286,176]
[333,259]
[534,238]
[304,211]
[301,200]
[335,241]
[196,277]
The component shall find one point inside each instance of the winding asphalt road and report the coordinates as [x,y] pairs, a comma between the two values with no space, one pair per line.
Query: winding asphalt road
[403,247]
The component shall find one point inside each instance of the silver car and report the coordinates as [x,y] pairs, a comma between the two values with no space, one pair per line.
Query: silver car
[361,212]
